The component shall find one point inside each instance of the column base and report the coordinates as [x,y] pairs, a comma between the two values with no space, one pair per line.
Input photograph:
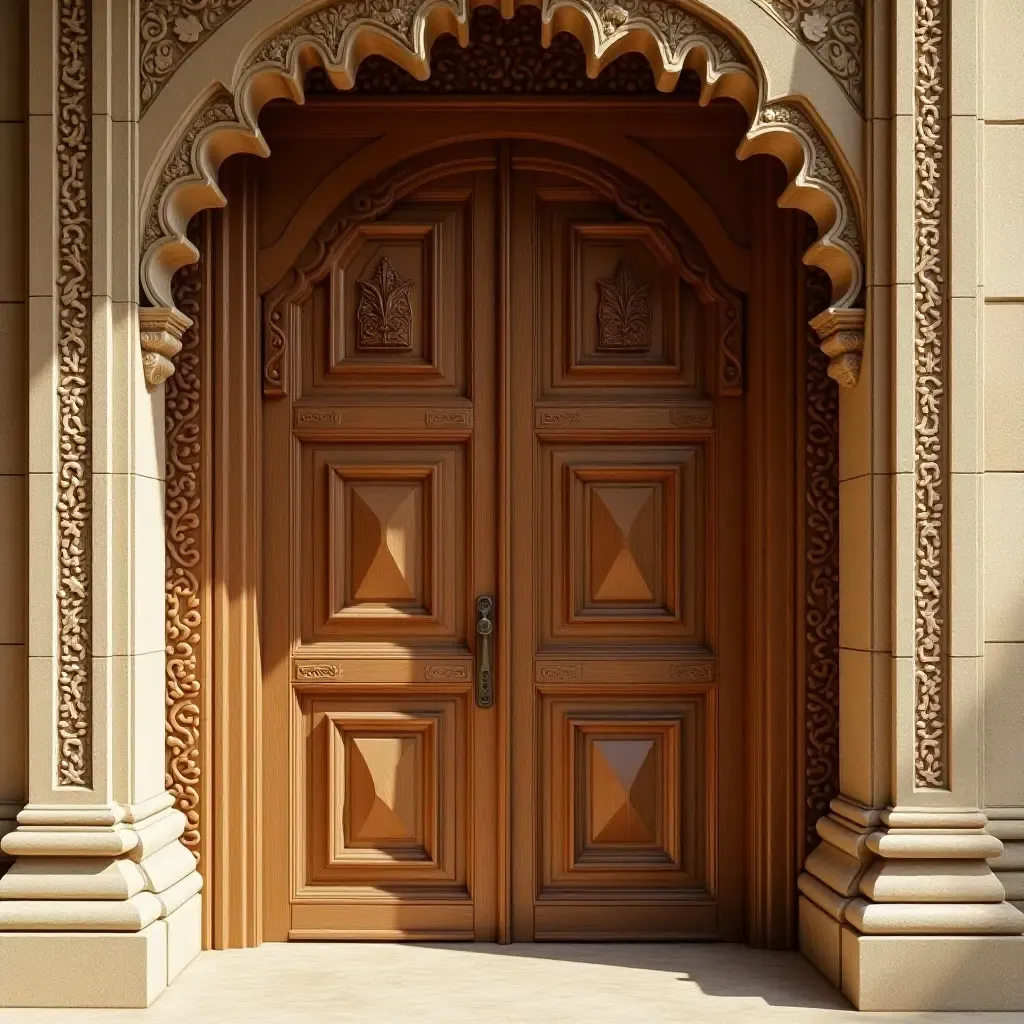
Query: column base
[932,972]
[119,970]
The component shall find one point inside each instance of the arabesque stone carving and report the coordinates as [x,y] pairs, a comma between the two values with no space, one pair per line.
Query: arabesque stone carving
[833,30]
[931,487]
[73,114]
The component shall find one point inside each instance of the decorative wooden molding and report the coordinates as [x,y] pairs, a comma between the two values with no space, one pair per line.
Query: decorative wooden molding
[187,525]
[931,314]
[73,115]
[338,36]
[160,334]
[833,30]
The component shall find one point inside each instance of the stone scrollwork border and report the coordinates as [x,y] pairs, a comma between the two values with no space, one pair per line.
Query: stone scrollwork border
[338,35]
[931,482]
[73,116]
[833,30]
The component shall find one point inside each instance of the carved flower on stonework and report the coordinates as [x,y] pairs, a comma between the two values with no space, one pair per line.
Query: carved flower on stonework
[396,17]
[815,26]
[188,29]
[614,17]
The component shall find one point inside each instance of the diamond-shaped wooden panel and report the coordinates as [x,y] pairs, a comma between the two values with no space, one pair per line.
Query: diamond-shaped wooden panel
[382,542]
[386,542]
[623,799]
[623,542]
[383,784]
[626,543]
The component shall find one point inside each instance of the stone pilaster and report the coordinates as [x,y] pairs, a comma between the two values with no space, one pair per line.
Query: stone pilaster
[102,904]
[899,906]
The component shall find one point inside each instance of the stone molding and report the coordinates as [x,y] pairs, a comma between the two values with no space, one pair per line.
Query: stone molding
[338,36]
[834,31]
[931,328]
[160,332]
[73,118]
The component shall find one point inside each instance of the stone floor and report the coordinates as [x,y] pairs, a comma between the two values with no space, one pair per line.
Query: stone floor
[525,984]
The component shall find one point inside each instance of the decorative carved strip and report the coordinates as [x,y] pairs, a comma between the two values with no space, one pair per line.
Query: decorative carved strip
[821,571]
[451,418]
[833,30]
[325,671]
[455,673]
[185,512]
[691,673]
[169,30]
[623,312]
[931,499]
[561,418]
[558,673]
[74,393]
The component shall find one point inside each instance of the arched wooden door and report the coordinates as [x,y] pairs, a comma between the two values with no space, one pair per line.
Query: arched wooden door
[502,608]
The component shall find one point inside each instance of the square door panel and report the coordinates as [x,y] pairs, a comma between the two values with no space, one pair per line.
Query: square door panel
[393,310]
[385,548]
[382,796]
[625,557]
[623,790]
[619,314]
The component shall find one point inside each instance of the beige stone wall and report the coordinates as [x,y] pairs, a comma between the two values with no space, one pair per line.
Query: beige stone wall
[13,402]
[1003,377]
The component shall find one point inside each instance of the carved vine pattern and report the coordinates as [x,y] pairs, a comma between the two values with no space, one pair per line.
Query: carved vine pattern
[821,570]
[74,393]
[833,30]
[624,312]
[931,277]
[169,30]
[384,314]
[185,455]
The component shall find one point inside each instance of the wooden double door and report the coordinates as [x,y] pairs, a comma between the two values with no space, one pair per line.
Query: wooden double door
[502,612]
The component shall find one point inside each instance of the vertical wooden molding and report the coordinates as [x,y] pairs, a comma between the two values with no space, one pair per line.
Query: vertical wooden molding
[236,751]
[931,319]
[74,394]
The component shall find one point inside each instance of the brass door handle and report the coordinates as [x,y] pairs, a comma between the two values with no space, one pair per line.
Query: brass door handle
[484,633]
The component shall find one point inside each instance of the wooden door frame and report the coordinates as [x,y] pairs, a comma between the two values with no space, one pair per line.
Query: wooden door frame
[213,443]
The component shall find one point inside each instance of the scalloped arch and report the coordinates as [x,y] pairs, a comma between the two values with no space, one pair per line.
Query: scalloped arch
[338,36]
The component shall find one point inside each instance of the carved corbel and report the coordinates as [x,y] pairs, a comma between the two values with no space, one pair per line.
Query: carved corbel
[160,332]
[841,332]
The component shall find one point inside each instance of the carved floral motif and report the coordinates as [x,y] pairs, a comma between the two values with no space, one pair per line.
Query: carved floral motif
[624,313]
[168,32]
[184,511]
[833,30]
[931,277]
[74,393]
[384,314]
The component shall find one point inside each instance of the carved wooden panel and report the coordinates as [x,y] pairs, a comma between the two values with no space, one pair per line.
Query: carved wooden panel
[623,788]
[383,789]
[381,556]
[625,557]
[618,314]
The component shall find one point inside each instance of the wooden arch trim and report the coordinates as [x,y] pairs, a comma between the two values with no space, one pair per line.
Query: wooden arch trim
[338,36]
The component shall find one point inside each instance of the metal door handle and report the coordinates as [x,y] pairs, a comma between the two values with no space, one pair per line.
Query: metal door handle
[484,632]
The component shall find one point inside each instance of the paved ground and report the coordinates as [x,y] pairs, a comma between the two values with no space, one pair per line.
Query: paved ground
[523,984]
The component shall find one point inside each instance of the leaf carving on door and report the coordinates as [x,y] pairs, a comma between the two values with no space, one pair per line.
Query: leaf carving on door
[384,315]
[624,314]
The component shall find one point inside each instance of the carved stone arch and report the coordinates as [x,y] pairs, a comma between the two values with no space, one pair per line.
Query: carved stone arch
[338,36]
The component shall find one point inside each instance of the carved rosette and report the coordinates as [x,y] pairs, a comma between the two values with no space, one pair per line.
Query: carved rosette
[833,30]
[184,550]
[931,486]
[73,114]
